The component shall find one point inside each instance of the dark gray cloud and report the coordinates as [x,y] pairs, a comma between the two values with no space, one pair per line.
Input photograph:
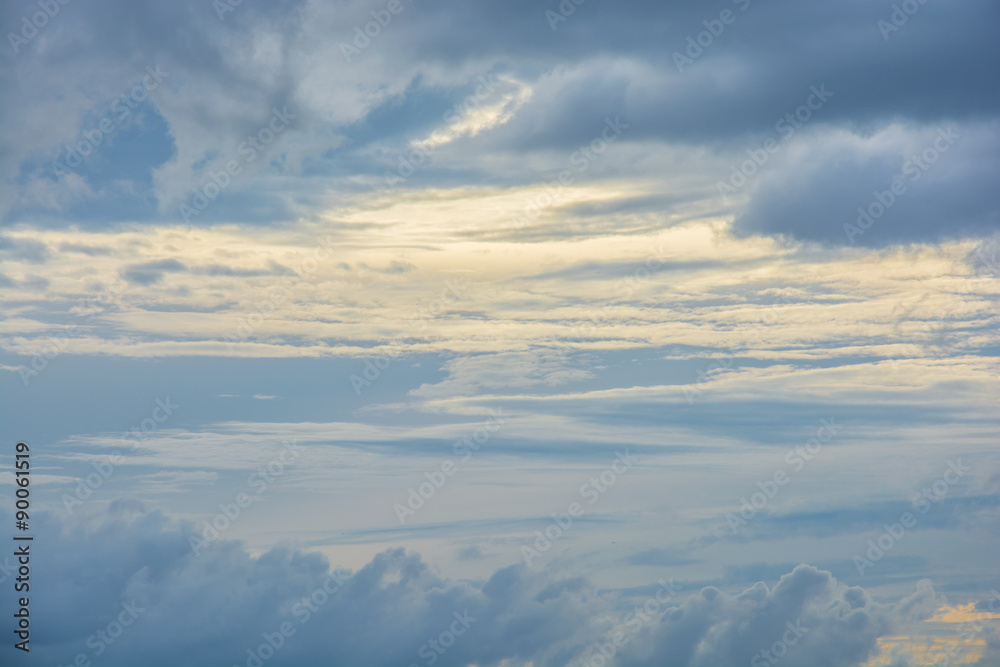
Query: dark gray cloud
[942,187]
[814,620]
[211,608]
[603,61]
[619,60]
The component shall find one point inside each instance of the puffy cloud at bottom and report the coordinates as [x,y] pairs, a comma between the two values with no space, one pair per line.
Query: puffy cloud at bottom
[124,588]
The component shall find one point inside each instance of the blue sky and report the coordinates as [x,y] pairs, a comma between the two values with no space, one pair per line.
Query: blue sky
[640,333]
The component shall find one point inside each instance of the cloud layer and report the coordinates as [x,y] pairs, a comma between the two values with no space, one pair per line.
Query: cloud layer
[134,568]
[461,258]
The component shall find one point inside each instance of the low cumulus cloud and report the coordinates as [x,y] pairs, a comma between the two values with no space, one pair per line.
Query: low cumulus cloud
[132,590]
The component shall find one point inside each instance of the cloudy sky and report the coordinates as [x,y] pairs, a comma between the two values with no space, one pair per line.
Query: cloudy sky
[394,332]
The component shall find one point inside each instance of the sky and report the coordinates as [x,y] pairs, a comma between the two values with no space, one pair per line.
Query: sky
[559,333]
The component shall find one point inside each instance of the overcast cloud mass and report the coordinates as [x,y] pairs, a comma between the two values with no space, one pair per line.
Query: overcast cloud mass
[575,333]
